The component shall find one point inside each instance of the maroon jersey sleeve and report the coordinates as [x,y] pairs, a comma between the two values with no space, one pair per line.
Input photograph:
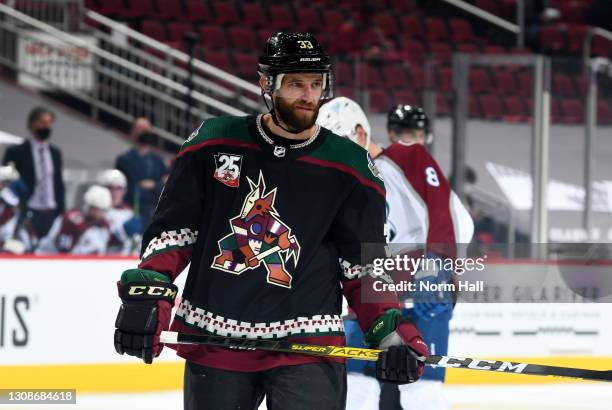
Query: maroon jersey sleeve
[424,176]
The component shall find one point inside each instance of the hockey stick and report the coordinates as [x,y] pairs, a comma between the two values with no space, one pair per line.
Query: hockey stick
[359,353]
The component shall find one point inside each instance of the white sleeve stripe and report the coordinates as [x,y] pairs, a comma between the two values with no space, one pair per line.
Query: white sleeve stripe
[182,238]
[408,211]
[463,225]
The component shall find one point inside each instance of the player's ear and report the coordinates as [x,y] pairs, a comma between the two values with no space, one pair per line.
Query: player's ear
[263,82]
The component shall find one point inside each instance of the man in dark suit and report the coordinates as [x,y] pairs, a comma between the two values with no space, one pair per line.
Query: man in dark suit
[40,165]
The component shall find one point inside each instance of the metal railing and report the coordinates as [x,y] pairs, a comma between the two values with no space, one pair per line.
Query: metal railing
[62,14]
[119,79]
[517,29]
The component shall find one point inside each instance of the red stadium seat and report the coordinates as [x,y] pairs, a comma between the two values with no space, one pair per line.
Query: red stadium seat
[405,97]
[435,29]
[576,33]
[213,37]
[413,50]
[138,9]
[170,10]
[441,52]
[219,58]
[263,35]
[573,11]
[243,38]
[573,111]
[177,29]
[253,15]
[521,51]
[552,38]
[417,77]
[197,11]
[461,30]
[474,107]
[308,19]
[401,6]
[563,86]
[154,29]
[246,65]
[387,23]
[444,80]
[281,17]
[394,77]
[332,18]
[604,112]
[113,9]
[525,84]
[225,13]
[480,81]
[600,47]
[515,109]
[369,76]
[489,5]
[348,92]
[379,100]
[468,48]
[491,106]
[493,50]
[89,4]
[442,105]
[410,26]
[505,82]
[344,74]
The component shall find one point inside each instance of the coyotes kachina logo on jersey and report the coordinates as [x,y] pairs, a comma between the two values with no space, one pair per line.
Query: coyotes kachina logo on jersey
[258,237]
[227,169]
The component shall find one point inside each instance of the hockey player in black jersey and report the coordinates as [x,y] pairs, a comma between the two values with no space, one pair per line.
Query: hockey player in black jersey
[271,212]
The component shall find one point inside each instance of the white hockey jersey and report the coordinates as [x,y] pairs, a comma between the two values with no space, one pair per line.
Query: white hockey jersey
[422,209]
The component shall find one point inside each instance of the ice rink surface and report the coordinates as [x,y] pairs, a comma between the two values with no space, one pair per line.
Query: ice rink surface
[593,396]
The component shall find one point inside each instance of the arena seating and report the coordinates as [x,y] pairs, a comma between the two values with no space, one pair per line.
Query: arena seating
[397,36]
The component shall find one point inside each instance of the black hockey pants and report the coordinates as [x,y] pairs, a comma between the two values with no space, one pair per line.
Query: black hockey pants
[320,386]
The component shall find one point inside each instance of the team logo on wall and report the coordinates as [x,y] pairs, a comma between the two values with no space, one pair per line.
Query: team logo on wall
[258,237]
[227,170]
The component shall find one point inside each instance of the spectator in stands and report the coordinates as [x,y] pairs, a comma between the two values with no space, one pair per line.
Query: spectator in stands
[139,126]
[126,228]
[146,173]
[40,165]
[81,231]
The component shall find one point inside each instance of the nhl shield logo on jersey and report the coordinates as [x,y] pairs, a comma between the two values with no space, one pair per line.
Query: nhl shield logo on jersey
[227,169]
[259,237]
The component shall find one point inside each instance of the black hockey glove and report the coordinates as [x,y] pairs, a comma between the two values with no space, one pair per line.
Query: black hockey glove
[148,298]
[402,361]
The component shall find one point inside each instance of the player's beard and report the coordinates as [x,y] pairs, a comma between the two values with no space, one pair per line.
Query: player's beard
[296,121]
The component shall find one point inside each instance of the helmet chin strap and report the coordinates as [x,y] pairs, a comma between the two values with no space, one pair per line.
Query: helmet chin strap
[272,112]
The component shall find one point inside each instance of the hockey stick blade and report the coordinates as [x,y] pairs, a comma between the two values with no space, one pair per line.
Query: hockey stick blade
[358,353]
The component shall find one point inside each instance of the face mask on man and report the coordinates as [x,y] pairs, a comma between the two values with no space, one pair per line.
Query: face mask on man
[43,133]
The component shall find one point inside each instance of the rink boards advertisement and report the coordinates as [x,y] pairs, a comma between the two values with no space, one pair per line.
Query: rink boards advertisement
[57,321]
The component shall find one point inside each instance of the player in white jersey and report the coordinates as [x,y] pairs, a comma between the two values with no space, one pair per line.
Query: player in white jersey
[126,227]
[81,232]
[345,117]
[425,217]
[12,190]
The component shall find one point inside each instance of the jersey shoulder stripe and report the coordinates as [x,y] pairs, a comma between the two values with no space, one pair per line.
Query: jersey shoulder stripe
[226,130]
[343,154]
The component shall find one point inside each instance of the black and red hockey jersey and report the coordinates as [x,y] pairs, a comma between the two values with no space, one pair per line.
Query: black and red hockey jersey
[267,223]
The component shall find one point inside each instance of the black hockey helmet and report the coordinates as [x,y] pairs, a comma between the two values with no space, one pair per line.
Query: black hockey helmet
[407,117]
[294,53]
